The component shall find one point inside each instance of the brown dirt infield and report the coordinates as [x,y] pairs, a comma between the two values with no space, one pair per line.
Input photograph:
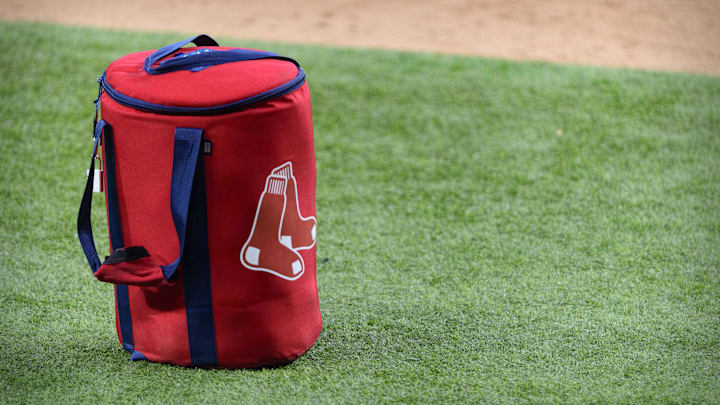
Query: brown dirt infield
[679,35]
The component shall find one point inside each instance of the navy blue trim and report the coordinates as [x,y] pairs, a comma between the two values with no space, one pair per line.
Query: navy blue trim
[122,298]
[196,277]
[122,294]
[136,103]
[185,157]
[137,356]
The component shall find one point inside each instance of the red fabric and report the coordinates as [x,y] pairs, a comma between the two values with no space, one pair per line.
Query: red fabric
[144,271]
[260,318]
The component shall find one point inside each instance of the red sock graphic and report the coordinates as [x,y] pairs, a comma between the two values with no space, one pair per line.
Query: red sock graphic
[297,231]
[263,250]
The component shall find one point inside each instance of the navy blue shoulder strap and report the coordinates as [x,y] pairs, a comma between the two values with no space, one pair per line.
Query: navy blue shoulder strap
[84,226]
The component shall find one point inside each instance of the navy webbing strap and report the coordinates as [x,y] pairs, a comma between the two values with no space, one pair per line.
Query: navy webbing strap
[196,277]
[185,158]
[113,205]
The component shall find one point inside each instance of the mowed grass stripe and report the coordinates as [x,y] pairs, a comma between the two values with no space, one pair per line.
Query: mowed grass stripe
[489,231]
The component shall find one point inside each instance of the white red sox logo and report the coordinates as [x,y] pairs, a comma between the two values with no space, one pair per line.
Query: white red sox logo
[279,231]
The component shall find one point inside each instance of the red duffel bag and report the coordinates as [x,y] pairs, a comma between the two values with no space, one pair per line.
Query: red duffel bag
[208,168]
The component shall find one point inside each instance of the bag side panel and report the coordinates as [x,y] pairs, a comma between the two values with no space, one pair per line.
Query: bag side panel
[260,318]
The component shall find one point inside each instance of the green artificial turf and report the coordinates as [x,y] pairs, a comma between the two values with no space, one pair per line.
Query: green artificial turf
[489,231]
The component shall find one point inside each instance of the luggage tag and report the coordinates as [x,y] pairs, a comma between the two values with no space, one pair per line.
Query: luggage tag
[97,176]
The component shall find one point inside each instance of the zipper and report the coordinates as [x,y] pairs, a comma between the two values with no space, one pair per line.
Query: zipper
[132,102]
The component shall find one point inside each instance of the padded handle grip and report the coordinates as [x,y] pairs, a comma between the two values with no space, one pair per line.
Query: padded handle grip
[199,40]
[201,58]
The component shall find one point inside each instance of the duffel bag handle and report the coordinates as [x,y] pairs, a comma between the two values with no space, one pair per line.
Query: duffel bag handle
[133,265]
[199,40]
[200,59]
